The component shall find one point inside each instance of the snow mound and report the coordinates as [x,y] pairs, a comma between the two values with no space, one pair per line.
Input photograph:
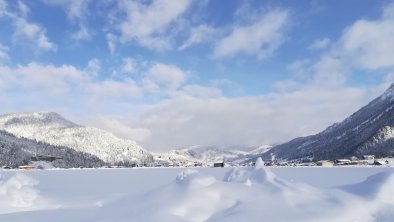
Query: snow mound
[386,192]
[378,188]
[377,192]
[192,196]
[370,187]
[200,197]
[259,163]
[191,179]
[258,175]
[186,175]
[18,194]
[250,193]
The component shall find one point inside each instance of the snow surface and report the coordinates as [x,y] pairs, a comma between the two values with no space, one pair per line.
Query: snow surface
[199,194]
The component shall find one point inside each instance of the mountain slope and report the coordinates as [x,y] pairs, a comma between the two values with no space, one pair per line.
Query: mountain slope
[370,130]
[18,151]
[53,129]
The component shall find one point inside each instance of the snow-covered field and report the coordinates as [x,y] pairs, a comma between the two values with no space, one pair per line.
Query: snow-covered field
[199,194]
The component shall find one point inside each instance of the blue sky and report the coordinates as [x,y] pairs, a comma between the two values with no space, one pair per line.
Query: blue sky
[172,74]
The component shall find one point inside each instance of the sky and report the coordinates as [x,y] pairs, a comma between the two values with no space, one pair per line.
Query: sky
[172,74]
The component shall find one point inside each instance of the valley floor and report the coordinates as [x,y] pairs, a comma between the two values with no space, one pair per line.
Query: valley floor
[198,194]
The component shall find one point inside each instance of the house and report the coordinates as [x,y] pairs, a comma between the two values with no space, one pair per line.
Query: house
[381,162]
[218,164]
[343,162]
[26,167]
[282,163]
[325,163]
[369,157]
[44,158]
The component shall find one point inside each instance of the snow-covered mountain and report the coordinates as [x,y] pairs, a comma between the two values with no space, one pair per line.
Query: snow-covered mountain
[261,149]
[16,151]
[51,128]
[175,158]
[211,154]
[370,130]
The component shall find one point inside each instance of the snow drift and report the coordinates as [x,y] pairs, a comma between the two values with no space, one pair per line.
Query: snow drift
[249,194]
[18,194]
[243,194]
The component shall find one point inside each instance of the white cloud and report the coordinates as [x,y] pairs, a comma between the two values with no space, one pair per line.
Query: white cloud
[299,67]
[33,32]
[269,119]
[389,78]
[328,71]
[24,10]
[43,78]
[227,85]
[66,80]
[261,38]
[74,9]
[148,24]
[82,34]
[198,35]
[77,11]
[369,43]
[364,45]
[111,89]
[128,65]
[93,67]
[167,76]
[387,81]
[320,44]
[3,8]
[119,128]
[66,89]
[111,42]
[286,85]
[199,91]
[193,114]
[25,29]
[3,53]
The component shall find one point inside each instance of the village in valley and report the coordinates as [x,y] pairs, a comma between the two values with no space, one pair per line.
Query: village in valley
[42,162]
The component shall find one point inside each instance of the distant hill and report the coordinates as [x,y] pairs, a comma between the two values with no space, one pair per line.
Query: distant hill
[211,154]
